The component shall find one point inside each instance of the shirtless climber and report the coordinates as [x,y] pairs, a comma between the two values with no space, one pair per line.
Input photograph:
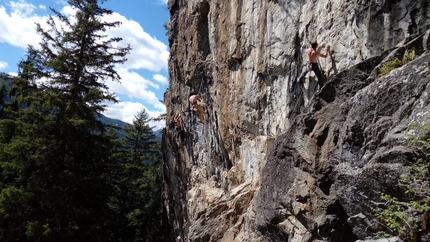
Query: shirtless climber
[312,64]
[195,101]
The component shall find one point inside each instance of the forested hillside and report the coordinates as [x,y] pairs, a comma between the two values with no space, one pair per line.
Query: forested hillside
[65,175]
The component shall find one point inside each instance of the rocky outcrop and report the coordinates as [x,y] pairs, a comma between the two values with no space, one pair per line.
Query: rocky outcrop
[273,161]
[329,168]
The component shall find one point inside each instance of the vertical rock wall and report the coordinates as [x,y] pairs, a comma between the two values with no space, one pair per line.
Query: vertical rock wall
[227,181]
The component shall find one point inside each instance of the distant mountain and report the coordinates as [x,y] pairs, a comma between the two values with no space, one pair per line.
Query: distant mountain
[158,134]
[112,122]
[109,121]
[120,124]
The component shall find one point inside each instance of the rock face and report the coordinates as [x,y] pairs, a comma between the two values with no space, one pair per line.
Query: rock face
[272,161]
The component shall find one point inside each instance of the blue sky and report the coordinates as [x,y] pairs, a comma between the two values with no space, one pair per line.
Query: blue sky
[144,75]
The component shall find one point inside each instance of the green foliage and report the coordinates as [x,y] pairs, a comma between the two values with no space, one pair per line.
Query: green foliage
[388,66]
[137,203]
[408,56]
[64,175]
[408,218]
[55,156]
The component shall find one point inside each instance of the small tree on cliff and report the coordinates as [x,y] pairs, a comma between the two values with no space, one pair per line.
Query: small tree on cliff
[409,217]
[56,166]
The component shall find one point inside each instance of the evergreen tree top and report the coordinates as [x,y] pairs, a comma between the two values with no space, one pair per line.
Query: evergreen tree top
[76,57]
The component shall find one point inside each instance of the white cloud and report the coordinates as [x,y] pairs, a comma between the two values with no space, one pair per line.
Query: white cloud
[160,79]
[135,86]
[61,2]
[22,8]
[126,112]
[147,52]
[164,2]
[3,65]
[69,12]
[23,30]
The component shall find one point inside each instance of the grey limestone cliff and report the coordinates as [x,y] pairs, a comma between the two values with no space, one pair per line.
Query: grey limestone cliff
[272,160]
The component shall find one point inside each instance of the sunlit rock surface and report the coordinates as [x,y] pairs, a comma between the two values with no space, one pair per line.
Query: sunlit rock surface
[272,161]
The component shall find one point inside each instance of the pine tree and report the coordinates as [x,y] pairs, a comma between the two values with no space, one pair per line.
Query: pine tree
[138,202]
[3,94]
[56,167]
